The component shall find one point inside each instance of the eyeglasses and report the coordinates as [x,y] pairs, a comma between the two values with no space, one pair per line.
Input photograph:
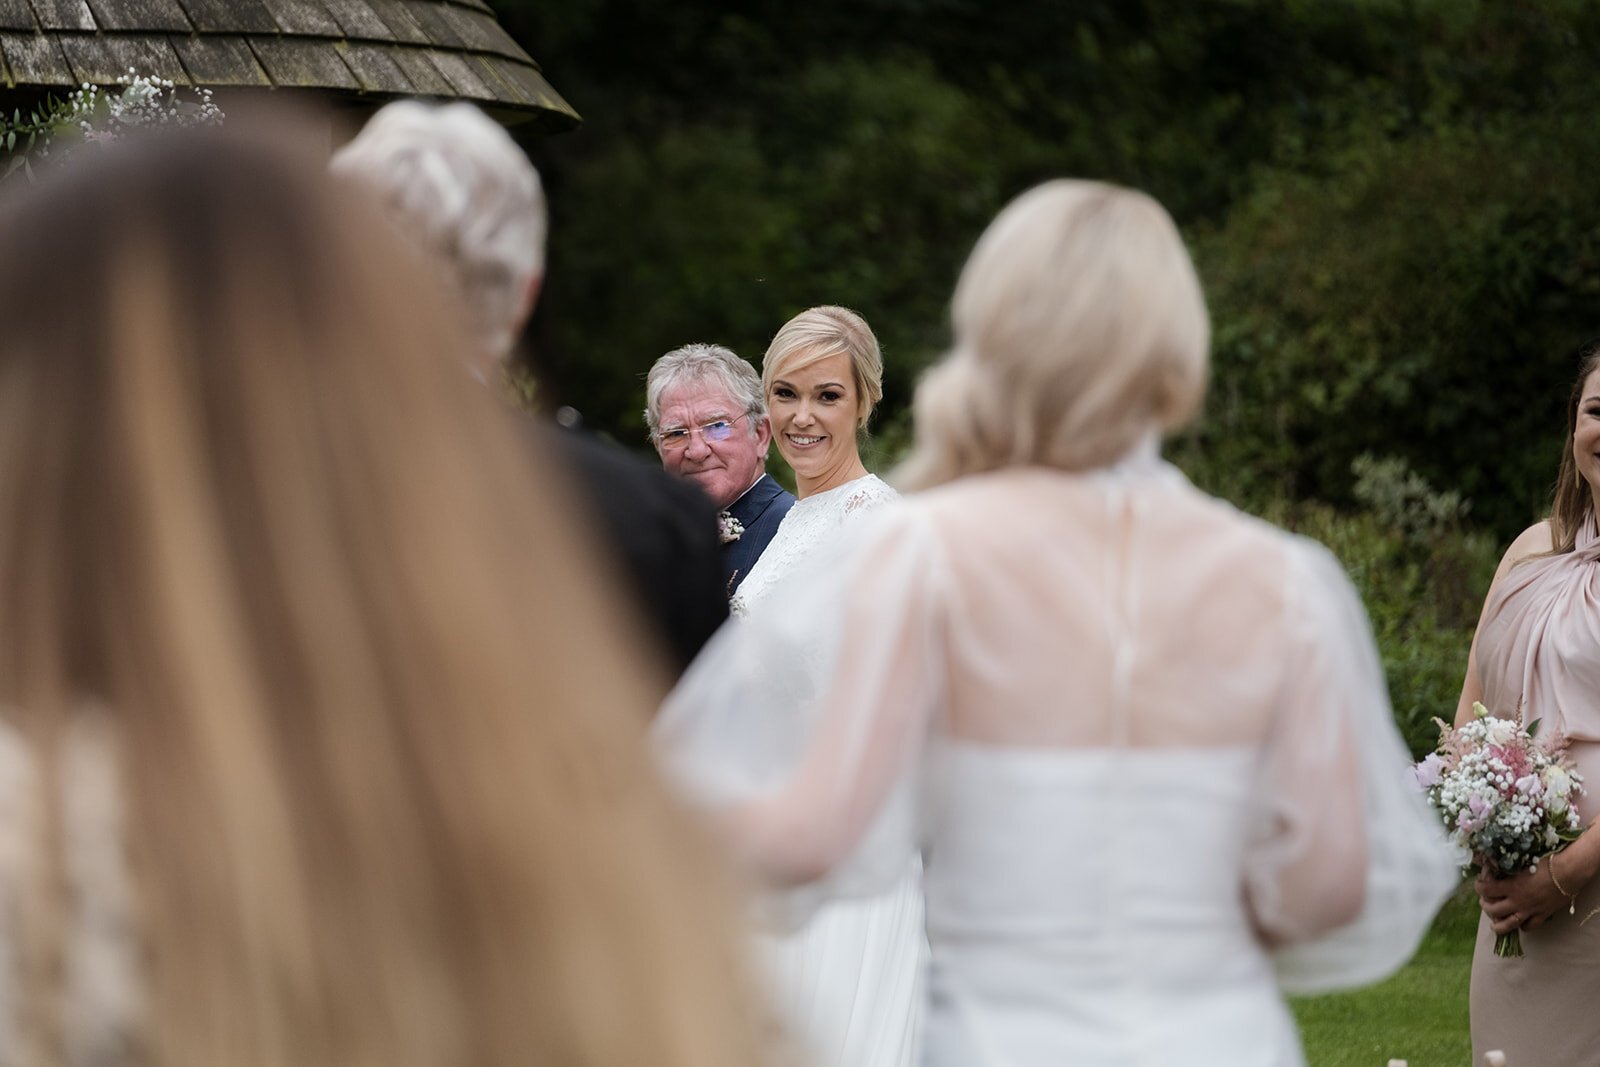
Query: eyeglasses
[715,430]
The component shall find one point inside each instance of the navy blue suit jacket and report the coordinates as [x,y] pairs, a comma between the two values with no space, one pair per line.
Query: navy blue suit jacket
[759,511]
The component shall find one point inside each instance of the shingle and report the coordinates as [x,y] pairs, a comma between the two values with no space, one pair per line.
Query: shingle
[476,30]
[399,21]
[434,24]
[103,58]
[35,59]
[294,63]
[217,59]
[229,16]
[358,20]
[504,89]
[140,15]
[308,17]
[16,15]
[533,86]
[463,77]
[420,69]
[376,69]
[64,14]
[500,42]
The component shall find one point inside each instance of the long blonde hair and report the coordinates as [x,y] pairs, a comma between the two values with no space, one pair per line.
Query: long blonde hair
[386,800]
[1079,326]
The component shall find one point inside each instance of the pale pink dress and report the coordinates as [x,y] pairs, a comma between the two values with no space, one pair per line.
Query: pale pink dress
[1538,649]
[1130,730]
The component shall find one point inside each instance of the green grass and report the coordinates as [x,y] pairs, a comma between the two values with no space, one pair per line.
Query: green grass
[1419,1015]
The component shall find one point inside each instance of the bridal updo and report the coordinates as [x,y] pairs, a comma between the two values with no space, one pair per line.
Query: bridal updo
[818,333]
[1080,327]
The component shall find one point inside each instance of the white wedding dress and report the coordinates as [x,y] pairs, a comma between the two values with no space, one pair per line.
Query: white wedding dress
[847,983]
[1137,736]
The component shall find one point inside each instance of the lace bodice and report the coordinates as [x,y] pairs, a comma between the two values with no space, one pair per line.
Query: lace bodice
[810,523]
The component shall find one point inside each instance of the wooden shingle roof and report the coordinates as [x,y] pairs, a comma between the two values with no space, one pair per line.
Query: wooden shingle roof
[376,49]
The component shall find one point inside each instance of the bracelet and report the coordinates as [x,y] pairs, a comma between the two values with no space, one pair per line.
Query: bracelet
[1572,898]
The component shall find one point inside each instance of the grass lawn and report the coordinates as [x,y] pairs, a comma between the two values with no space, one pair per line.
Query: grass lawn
[1419,1015]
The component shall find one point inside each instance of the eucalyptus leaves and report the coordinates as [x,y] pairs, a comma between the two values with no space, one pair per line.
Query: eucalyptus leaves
[90,114]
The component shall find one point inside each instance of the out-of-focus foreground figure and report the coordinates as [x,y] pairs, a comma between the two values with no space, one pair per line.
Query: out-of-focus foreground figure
[1143,741]
[455,185]
[318,745]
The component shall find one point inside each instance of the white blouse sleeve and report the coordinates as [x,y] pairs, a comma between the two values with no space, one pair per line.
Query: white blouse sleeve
[1336,799]
[801,727]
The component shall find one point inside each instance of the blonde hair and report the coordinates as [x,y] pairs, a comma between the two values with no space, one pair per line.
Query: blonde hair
[820,332]
[386,797]
[1079,328]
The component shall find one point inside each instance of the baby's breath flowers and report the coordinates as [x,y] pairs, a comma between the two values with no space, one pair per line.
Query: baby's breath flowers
[1505,799]
[90,115]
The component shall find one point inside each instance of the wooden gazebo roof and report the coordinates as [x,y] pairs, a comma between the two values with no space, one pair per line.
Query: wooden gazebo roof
[372,49]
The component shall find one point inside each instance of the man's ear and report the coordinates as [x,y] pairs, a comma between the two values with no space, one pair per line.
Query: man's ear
[530,297]
[764,433]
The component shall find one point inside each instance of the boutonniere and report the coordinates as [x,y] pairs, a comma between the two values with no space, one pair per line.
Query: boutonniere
[729,528]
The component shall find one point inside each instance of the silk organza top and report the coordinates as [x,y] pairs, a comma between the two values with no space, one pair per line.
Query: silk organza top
[1538,651]
[1134,732]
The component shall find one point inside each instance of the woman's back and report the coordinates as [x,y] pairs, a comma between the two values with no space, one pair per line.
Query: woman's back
[1127,609]
[1140,738]
[1115,669]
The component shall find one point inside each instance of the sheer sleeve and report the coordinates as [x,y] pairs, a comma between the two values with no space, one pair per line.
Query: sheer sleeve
[801,727]
[1348,865]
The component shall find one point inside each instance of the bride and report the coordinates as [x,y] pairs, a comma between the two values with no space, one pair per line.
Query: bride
[846,982]
[1142,741]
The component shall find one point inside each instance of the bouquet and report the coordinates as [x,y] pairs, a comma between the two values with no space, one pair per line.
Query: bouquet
[1505,798]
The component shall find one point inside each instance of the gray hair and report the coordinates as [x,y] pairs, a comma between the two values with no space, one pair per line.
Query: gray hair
[703,363]
[452,178]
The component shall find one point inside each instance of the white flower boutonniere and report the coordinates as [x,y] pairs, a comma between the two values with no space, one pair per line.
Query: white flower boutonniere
[729,528]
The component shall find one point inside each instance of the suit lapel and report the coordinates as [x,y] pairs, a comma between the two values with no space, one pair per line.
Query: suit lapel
[748,508]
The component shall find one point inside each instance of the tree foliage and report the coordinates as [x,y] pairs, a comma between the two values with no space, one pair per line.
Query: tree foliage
[1388,202]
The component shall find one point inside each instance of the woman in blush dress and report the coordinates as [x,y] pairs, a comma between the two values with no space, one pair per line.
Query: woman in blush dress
[1142,741]
[846,983]
[1535,653]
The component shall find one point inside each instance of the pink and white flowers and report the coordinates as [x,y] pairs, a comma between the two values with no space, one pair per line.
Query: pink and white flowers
[1505,798]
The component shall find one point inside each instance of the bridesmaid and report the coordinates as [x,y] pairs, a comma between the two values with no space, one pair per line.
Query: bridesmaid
[1536,650]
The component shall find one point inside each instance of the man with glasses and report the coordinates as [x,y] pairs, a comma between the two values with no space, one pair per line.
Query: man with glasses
[708,421]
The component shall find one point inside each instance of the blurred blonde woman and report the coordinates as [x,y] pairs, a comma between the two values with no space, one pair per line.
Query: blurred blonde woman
[318,743]
[1142,740]
[847,982]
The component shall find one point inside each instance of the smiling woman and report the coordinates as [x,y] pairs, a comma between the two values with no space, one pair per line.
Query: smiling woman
[1534,656]
[822,374]
[846,982]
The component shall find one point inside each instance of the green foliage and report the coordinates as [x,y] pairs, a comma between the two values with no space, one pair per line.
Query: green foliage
[1389,202]
[21,133]
[1422,577]
[1419,1015]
